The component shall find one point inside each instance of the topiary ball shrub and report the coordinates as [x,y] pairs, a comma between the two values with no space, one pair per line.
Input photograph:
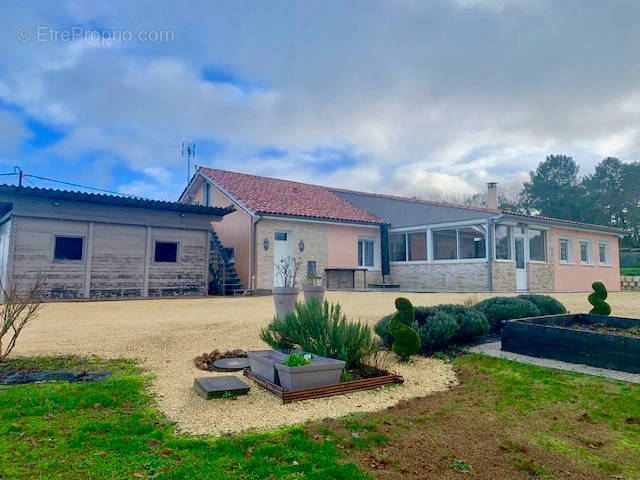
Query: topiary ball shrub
[499,309]
[437,332]
[471,322]
[597,299]
[382,329]
[546,304]
[406,341]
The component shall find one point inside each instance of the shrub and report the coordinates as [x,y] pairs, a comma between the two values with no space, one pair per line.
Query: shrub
[296,360]
[597,299]
[321,329]
[437,331]
[382,329]
[406,341]
[546,304]
[499,309]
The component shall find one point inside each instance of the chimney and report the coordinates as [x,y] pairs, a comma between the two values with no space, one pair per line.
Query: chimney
[492,195]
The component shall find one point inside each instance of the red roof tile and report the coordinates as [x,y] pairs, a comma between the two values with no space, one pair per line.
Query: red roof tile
[284,197]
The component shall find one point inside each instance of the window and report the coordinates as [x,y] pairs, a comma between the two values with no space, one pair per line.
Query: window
[460,243]
[282,236]
[564,248]
[365,253]
[445,245]
[603,253]
[397,248]
[207,194]
[166,252]
[503,242]
[68,248]
[472,242]
[586,256]
[537,245]
[417,243]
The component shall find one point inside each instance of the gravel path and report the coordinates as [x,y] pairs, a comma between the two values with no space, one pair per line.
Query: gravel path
[165,336]
[493,350]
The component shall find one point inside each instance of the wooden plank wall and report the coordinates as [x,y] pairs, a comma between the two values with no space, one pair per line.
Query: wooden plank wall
[117,260]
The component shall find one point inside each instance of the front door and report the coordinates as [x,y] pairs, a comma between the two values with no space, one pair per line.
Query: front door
[521,264]
[281,250]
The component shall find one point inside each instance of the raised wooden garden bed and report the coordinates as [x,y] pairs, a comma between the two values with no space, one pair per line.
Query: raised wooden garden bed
[596,340]
[326,391]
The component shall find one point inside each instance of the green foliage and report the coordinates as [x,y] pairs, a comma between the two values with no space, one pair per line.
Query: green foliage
[461,466]
[406,341]
[296,360]
[631,271]
[110,430]
[499,309]
[470,323]
[597,299]
[437,332]
[546,304]
[321,329]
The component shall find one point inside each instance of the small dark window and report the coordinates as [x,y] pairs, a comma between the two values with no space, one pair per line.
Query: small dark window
[68,248]
[282,236]
[166,252]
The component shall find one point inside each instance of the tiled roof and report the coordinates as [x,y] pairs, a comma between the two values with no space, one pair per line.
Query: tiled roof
[101,199]
[283,197]
[569,223]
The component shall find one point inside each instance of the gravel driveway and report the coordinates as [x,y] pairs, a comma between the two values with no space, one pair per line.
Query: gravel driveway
[165,336]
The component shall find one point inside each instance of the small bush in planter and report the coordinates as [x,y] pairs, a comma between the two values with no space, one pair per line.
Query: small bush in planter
[438,331]
[296,360]
[321,329]
[406,341]
[546,304]
[499,309]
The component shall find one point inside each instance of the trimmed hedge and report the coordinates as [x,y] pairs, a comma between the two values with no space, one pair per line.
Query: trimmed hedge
[469,323]
[499,309]
[546,304]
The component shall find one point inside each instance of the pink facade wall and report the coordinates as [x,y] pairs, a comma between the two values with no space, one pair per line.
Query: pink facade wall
[343,245]
[575,277]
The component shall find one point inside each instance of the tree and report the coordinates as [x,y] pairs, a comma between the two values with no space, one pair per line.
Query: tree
[554,189]
[605,202]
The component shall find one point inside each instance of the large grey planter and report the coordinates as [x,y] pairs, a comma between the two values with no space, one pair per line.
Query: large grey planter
[322,371]
[285,299]
[313,292]
[262,363]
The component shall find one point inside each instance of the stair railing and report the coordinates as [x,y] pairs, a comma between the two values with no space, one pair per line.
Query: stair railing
[218,265]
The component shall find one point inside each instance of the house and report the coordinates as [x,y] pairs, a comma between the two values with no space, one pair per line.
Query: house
[417,244]
[96,246]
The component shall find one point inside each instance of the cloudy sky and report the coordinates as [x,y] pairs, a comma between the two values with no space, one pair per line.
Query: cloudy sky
[405,96]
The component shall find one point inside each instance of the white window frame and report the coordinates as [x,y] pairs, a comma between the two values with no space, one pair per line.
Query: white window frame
[589,244]
[373,240]
[607,253]
[569,260]
[545,240]
[510,239]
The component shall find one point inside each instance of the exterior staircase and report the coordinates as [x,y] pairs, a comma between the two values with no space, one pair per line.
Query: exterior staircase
[222,269]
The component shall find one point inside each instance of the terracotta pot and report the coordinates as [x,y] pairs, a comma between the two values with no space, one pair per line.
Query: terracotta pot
[285,299]
[315,292]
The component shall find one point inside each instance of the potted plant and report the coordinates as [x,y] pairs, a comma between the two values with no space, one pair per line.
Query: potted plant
[286,296]
[300,371]
[311,289]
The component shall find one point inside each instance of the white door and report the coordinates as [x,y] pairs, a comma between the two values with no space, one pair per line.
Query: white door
[281,249]
[521,264]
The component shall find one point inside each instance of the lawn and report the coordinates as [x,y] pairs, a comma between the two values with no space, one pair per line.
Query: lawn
[631,271]
[504,420]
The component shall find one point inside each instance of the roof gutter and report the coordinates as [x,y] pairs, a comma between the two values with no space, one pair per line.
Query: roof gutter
[253,264]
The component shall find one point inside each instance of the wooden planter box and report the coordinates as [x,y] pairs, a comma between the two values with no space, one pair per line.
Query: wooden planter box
[326,391]
[552,337]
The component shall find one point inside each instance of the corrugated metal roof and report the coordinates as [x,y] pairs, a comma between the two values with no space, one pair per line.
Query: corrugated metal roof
[115,200]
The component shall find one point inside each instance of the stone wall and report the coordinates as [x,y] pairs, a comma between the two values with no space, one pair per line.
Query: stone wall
[540,277]
[315,240]
[454,276]
[630,283]
[504,276]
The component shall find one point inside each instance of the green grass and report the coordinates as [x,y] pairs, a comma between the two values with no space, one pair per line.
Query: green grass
[110,429]
[630,271]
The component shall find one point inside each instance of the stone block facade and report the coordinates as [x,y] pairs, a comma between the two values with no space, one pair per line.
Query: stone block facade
[450,276]
[504,276]
[314,236]
[540,277]
[630,283]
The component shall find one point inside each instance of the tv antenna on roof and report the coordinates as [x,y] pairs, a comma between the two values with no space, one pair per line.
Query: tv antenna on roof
[188,151]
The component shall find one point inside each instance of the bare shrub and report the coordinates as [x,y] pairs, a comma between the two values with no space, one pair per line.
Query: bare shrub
[18,307]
